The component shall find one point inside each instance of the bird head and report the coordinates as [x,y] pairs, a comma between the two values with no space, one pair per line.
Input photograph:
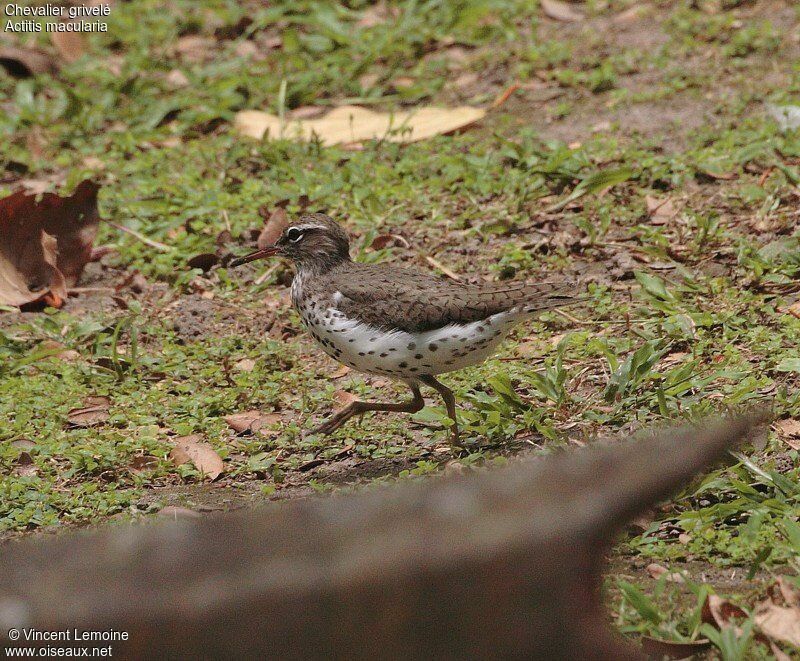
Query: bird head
[316,241]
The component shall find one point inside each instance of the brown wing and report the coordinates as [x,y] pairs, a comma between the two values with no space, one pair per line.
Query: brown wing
[387,297]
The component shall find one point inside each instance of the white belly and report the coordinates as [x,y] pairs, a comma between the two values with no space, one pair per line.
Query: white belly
[405,355]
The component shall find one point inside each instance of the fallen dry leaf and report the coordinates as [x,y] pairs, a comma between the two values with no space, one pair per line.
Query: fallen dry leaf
[789,432]
[560,11]
[778,616]
[195,48]
[204,261]
[789,427]
[353,124]
[192,449]
[344,398]
[45,243]
[174,512]
[176,79]
[70,45]
[252,422]
[24,466]
[660,211]
[794,309]
[275,223]
[384,240]
[656,571]
[26,62]
[245,365]
[720,613]
[142,462]
[668,649]
[342,370]
[93,412]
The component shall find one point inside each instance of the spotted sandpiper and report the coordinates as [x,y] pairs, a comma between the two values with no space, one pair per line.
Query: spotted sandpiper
[399,323]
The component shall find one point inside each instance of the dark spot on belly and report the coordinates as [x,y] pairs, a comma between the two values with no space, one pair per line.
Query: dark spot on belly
[403,364]
[432,346]
[411,346]
[383,355]
[370,353]
[418,356]
[414,369]
[361,353]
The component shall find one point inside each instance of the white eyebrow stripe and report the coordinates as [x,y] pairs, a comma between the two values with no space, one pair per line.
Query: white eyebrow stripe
[303,228]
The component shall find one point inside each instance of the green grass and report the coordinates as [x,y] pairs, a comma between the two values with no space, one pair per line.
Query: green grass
[685,319]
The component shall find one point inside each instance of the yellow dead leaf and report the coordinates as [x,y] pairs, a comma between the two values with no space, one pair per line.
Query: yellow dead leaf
[353,124]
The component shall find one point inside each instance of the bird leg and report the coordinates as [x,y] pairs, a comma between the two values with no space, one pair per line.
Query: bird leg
[415,404]
[449,400]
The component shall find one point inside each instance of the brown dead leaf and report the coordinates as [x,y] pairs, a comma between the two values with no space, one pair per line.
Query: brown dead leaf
[143,462]
[26,62]
[721,613]
[192,449]
[60,351]
[276,222]
[245,365]
[344,398]
[788,428]
[778,616]
[195,48]
[45,243]
[789,432]
[24,466]
[668,649]
[252,422]
[176,79]
[794,309]
[353,124]
[377,14]
[70,45]
[659,210]
[342,370]
[175,512]
[560,11]
[204,261]
[656,571]
[384,240]
[93,412]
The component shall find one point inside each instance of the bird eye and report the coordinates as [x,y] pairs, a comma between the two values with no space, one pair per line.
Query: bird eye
[294,234]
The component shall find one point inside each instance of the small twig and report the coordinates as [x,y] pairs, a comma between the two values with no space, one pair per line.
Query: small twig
[263,277]
[441,267]
[227,220]
[150,242]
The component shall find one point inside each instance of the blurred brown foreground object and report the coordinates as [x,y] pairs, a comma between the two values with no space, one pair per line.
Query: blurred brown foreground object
[501,564]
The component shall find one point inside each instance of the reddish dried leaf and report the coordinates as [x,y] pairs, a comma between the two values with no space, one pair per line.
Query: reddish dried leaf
[45,244]
[344,398]
[660,211]
[204,261]
[276,223]
[26,62]
[667,649]
[384,240]
[252,422]
[560,11]
[142,462]
[94,412]
[70,45]
[342,370]
[720,613]
[192,449]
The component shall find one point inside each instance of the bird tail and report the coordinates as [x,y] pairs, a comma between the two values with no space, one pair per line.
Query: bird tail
[549,295]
